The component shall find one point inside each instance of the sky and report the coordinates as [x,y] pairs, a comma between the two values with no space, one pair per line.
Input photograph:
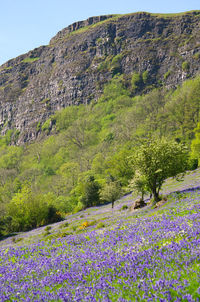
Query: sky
[27,24]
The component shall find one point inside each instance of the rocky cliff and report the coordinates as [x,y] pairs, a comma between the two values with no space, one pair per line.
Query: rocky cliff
[81,58]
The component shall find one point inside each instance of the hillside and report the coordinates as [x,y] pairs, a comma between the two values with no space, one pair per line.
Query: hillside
[74,68]
[110,255]
[110,106]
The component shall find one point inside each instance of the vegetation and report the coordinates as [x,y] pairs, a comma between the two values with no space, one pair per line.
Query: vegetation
[98,140]
[157,160]
[28,211]
[30,60]
[119,254]
[185,66]
[195,146]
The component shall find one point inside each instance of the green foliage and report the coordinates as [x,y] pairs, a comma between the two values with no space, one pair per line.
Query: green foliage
[124,207]
[119,166]
[116,64]
[145,76]
[114,89]
[10,157]
[45,101]
[195,146]
[135,81]
[167,74]
[30,211]
[139,184]
[6,139]
[185,66]
[99,140]
[30,60]
[157,160]
[66,117]
[90,192]
[100,225]
[110,192]
[196,56]
[46,125]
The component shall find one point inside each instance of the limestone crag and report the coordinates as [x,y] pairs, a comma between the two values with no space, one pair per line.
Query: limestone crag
[80,59]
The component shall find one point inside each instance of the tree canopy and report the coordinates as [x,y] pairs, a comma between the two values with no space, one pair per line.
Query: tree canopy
[158,159]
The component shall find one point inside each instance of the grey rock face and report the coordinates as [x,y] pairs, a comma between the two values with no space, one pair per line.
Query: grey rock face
[81,58]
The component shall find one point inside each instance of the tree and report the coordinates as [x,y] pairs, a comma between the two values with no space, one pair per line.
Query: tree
[29,211]
[195,146]
[159,159]
[111,192]
[139,184]
[90,192]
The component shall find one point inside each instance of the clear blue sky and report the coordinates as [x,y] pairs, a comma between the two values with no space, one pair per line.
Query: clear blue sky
[26,24]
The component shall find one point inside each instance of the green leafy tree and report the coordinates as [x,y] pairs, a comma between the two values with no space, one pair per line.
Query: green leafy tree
[195,146]
[30,211]
[90,192]
[159,159]
[135,81]
[110,192]
[120,167]
[139,184]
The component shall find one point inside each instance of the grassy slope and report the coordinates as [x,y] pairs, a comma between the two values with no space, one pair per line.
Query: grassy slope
[145,255]
[102,213]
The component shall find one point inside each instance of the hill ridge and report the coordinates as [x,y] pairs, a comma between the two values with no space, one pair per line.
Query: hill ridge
[74,68]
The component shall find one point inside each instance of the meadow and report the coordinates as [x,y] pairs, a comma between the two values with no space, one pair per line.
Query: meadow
[100,254]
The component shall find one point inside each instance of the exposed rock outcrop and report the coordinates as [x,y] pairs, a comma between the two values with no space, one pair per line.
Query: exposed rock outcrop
[80,59]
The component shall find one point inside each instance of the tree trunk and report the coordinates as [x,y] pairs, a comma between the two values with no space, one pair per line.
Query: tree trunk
[155,195]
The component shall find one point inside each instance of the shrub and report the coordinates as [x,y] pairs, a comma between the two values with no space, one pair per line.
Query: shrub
[28,211]
[167,74]
[100,225]
[47,228]
[145,76]
[64,225]
[116,64]
[15,240]
[79,207]
[185,66]
[196,56]
[46,233]
[135,81]
[124,207]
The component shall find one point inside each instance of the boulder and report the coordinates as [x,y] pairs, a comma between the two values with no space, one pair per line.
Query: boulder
[139,203]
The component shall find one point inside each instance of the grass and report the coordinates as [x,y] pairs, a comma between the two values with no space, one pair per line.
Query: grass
[30,60]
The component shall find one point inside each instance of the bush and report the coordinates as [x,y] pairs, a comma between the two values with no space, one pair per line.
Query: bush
[185,66]
[28,211]
[124,207]
[193,164]
[15,240]
[64,225]
[47,228]
[78,208]
[100,225]
[145,76]
[135,81]
[116,64]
